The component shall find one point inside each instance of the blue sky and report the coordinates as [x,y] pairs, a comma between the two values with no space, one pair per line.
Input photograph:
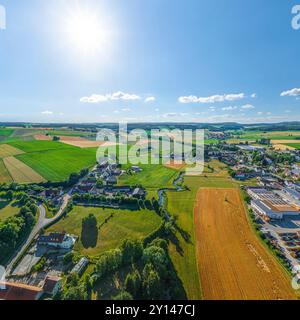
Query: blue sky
[149,60]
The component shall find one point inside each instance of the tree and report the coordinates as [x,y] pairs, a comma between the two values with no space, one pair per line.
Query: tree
[55,138]
[151,283]
[124,295]
[133,283]
[132,251]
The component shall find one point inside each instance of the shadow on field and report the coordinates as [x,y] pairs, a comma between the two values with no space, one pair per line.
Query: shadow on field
[89,235]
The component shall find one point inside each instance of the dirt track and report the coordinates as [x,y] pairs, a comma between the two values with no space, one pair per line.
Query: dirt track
[232,263]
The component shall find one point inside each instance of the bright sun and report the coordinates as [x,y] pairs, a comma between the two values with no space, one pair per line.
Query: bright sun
[85,33]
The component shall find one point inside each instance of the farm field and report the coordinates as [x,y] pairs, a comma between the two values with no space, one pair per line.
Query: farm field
[7,210]
[181,205]
[4,174]
[38,146]
[8,151]
[57,165]
[152,176]
[20,172]
[124,224]
[273,135]
[232,262]
[6,132]
[293,145]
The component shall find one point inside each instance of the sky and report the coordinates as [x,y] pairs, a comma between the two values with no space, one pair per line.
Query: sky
[149,61]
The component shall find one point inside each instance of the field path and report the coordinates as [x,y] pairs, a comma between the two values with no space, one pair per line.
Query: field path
[232,263]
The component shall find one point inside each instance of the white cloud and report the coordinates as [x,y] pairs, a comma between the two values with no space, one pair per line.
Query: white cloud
[97,98]
[230,108]
[150,99]
[291,93]
[259,113]
[125,109]
[211,99]
[174,114]
[47,112]
[247,107]
[253,95]
[156,110]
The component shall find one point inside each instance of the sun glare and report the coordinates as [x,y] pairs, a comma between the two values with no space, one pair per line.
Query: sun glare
[85,33]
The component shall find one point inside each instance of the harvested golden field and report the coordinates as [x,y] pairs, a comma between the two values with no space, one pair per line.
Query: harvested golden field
[8,151]
[177,165]
[20,172]
[83,143]
[232,263]
[284,141]
[282,147]
[42,137]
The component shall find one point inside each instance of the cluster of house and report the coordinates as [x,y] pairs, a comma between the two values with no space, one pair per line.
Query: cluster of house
[274,204]
[57,240]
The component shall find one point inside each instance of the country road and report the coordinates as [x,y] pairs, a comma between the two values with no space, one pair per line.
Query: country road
[42,223]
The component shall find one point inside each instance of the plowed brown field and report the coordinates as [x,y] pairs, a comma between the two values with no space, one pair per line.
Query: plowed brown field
[232,263]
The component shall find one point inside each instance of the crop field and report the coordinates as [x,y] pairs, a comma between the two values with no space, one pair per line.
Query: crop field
[8,151]
[20,172]
[121,224]
[4,174]
[273,135]
[57,165]
[38,146]
[7,210]
[293,145]
[232,262]
[152,176]
[5,132]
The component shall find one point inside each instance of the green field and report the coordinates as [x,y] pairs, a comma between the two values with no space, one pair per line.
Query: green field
[4,174]
[57,165]
[39,146]
[124,224]
[152,176]
[273,135]
[68,133]
[5,132]
[7,210]
[293,145]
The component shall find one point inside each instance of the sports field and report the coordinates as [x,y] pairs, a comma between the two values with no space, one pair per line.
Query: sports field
[20,172]
[123,224]
[232,262]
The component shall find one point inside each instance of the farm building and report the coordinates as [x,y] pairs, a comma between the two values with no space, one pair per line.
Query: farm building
[80,266]
[52,285]
[19,291]
[57,240]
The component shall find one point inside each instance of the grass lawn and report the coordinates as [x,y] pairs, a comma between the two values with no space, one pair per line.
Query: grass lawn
[124,224]
[57,165]
[7,210]
[4,174]
[152,176]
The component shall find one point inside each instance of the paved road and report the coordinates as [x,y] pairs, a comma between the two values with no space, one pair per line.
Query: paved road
[42,223]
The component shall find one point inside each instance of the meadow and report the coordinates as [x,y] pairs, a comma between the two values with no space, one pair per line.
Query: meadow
[294,145]
[120,225]
[7,210]
[38,146]
[152,176]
